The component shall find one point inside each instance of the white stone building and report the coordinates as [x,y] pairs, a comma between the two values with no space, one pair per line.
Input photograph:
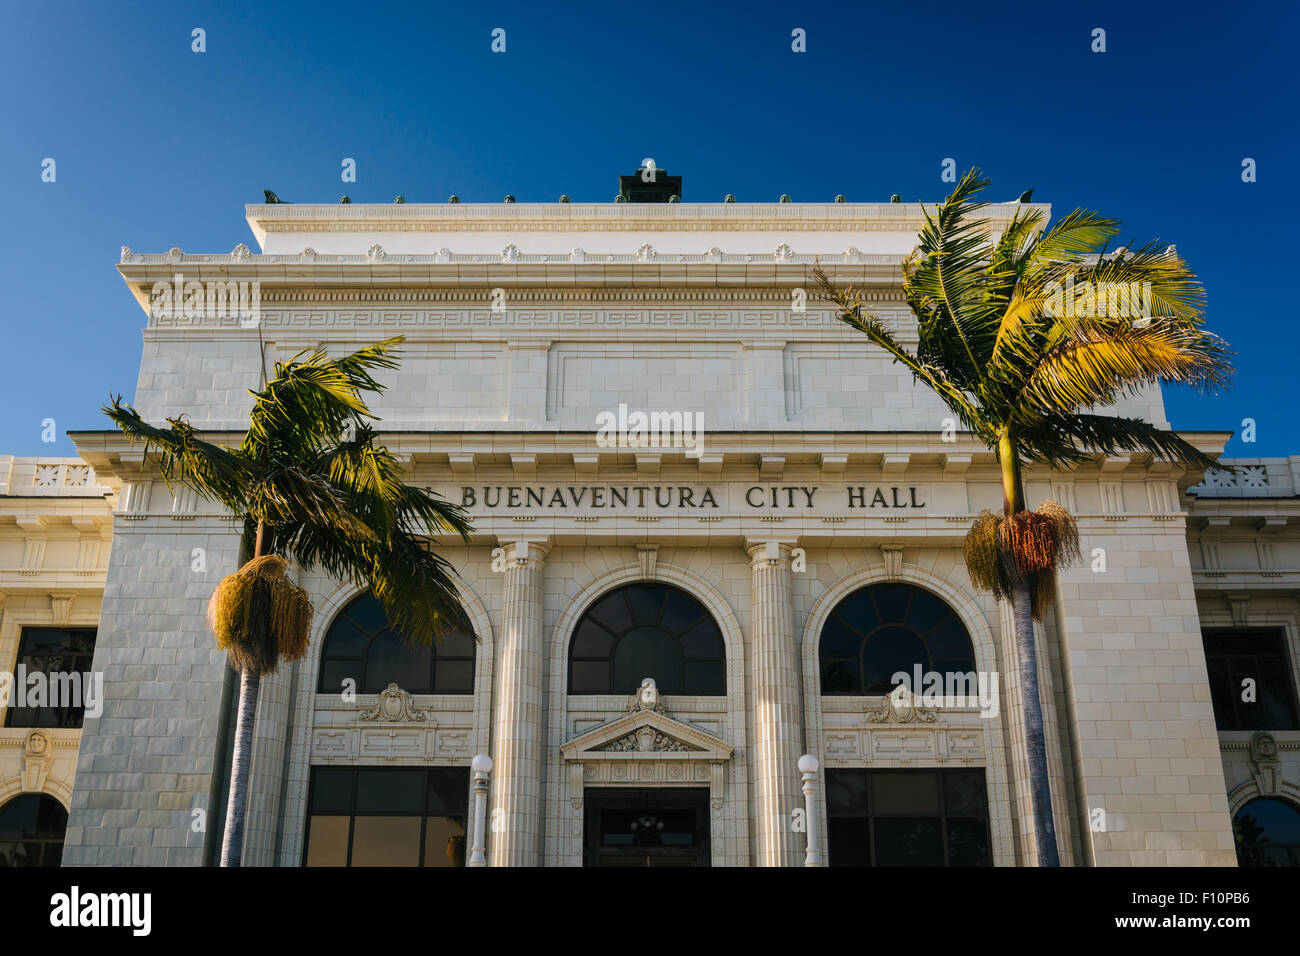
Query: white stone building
[765,578]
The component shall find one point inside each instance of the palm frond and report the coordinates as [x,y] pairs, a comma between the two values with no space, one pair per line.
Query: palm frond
[1110,362]
[182,457]
[1068,439]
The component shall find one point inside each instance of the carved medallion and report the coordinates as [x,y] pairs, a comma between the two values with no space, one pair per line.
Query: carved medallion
[646,698]
[393,706]
[900,707]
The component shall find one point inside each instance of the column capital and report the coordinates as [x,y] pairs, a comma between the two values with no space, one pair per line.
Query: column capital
[769,553]
[526,552]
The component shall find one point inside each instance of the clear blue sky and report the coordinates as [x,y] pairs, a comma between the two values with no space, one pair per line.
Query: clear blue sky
[157,146]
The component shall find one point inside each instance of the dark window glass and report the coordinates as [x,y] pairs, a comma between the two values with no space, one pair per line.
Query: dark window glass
[331,791]
[907,818]
[31,831]
[361,645]
[645,652]
[882,629]
[370,816]
[1259,655]
[647,630]
[903,841]
[64,656]
[390,790]
[1267,831]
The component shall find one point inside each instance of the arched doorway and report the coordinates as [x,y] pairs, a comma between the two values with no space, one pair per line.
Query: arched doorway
[410,813]
[31,831]
[639,631]
[901,816]
[1267,832]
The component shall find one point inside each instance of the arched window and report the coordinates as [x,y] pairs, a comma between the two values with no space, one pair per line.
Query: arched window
[1267,831]
[31,831]
[647,630]
[363,645]
[882,629]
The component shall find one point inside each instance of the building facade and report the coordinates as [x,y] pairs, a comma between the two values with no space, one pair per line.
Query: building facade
[665,618]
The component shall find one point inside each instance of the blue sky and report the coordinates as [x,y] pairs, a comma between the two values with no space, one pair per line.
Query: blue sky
[157,146]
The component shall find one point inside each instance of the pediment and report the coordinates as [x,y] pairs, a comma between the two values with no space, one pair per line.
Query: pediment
[646,735]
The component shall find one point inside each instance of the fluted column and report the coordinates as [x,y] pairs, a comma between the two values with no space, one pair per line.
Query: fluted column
[516,818]
[778,723]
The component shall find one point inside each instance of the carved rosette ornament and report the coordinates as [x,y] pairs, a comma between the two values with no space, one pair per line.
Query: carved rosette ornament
[783,253]
[376,253]
[393,706]
[510,253]
[241,253]
[646,253]
[899,707]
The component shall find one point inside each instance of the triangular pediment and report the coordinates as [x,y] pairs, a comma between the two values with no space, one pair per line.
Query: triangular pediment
[646,734]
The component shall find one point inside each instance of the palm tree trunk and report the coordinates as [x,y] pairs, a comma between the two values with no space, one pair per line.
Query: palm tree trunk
[232,845]
[1031,703]
[1031,706]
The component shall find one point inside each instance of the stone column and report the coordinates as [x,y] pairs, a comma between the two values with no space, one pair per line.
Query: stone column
[517,750]
[778,724]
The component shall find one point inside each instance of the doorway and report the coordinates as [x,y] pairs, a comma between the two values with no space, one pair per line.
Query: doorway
[667,826]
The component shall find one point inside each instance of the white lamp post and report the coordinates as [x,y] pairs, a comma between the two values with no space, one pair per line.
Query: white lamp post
[481,766]
[808,767]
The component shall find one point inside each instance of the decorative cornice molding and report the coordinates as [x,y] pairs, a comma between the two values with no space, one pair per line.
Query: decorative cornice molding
[602,217]
[645,256]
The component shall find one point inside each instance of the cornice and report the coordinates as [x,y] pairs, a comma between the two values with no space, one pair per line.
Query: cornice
[485,451]
[601,217]
[647,257]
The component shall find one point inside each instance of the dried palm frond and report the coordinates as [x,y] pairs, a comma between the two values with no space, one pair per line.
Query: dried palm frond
[1028,543]
[1067,532]
[260,617]
[981,551]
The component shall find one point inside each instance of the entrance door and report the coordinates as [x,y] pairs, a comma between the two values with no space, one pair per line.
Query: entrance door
[662,827]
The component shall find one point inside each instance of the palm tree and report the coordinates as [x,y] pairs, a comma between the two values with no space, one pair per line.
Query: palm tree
[1011,338]
[310,482]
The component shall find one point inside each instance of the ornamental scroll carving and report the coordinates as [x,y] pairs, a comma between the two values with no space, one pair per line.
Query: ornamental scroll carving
[647,740]
[900,707]
[393,706]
